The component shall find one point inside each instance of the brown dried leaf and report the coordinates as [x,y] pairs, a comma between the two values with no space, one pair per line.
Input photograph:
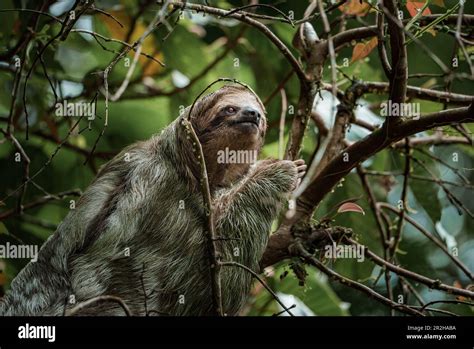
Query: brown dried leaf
[355,7]
[362,50]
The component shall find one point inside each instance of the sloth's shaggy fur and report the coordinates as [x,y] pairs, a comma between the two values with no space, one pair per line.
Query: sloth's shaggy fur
[151,207]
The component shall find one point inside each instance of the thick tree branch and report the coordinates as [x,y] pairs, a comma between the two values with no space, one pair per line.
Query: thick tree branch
[338,168]
[278,249]
[365,148]
[398,79]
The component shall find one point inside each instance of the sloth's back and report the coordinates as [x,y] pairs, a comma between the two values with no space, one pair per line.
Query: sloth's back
[137,227]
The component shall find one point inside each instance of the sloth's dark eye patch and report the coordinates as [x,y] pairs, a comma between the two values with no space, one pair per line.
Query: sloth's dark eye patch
[222,116]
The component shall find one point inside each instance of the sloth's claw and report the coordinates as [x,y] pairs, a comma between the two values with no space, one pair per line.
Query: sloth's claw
[300,167]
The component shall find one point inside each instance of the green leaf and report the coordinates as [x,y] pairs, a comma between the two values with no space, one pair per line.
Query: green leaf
[3,229]
[426,194]
[185,52]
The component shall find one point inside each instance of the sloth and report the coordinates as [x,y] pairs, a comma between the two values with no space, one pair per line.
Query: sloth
[139,230]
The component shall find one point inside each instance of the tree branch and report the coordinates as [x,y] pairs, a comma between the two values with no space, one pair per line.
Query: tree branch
[338,168]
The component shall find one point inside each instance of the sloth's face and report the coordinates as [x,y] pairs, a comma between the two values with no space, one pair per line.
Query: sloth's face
[236,112]
[232,118]
[239,114]
[231,122]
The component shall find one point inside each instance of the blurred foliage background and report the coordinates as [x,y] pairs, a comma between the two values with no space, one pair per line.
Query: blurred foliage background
[152,101]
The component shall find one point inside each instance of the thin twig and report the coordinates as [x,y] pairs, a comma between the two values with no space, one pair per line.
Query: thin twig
[243,18]
[264,284]
[431,237]
[432,283]
[281,131]
[351,283]
[99,299]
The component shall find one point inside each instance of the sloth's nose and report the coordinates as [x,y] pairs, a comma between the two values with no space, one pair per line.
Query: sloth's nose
[252,113]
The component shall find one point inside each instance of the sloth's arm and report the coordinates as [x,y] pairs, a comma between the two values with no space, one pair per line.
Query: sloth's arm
[253,204]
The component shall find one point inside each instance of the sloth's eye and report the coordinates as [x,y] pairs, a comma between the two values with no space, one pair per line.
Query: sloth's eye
[230,110]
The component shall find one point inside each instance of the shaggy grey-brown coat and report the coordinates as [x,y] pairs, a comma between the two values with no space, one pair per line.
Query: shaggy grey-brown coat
[142,220]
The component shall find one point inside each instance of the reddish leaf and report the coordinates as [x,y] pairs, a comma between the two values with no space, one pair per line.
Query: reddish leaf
[350,207]
[355,7]
[362,50]
[414,7]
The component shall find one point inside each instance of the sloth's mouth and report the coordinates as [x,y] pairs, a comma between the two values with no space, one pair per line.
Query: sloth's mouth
[247,120]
